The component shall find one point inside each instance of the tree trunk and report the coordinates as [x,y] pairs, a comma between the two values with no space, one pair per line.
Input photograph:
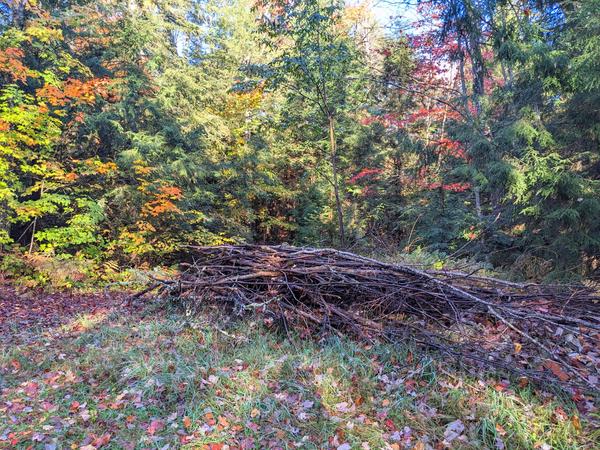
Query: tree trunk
[336,188]
[4,224]
[478,203]
[34,225]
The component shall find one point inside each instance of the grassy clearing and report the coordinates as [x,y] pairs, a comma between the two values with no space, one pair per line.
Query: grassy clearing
[150,380]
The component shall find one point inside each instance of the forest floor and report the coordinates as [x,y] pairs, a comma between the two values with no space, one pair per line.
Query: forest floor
[86,372]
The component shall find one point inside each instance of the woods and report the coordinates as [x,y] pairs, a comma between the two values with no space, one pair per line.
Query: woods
[345,224]
[464,129]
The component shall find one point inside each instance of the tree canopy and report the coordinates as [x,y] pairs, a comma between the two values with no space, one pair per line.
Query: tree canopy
[130,129]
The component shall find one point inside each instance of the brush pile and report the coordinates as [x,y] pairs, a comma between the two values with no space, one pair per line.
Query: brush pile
[539,332]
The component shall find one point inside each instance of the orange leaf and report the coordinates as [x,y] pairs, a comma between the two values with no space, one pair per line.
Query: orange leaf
[187,422]
[518,347]
[556,369]
[223,422]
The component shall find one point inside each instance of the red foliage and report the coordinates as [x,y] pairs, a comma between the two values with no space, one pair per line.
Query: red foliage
[364,173]
[448,147]
[452,187]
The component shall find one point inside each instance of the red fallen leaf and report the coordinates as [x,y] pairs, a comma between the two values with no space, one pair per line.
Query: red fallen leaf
[14,440]
[16,365]
[102,440]
[31,388]
[557,370]
[155,426]
[187,422]
[75,406]
[390,424]
[215,446]
[501,386]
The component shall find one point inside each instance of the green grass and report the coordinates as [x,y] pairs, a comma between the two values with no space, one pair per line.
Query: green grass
[241,384]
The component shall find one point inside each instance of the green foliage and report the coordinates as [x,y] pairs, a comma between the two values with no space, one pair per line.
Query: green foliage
[130,129]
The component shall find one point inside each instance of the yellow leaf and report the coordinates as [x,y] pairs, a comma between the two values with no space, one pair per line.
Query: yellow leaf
[518,347]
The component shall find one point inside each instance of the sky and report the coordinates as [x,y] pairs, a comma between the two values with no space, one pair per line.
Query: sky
[386,11]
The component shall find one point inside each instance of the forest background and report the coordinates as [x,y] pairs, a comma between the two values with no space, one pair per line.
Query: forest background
[462,129]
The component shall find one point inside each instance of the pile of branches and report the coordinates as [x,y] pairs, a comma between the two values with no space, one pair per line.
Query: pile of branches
[540,332]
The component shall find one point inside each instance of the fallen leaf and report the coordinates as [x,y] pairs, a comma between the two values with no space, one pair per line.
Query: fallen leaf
[155,426]
[187,422]
[223,422]
[560,414]
[210,419]
[453,430]
[557,370]
[390,424]
[518,347]
[102,440]
[254,413]
[576,423]
[31,388]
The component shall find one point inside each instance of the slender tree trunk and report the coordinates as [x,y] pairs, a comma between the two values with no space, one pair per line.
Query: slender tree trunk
[34,226]
[19,13]
[4,224]
[478,202]
[336,187]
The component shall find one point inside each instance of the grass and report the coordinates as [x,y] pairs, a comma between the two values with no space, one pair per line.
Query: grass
[150,380]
